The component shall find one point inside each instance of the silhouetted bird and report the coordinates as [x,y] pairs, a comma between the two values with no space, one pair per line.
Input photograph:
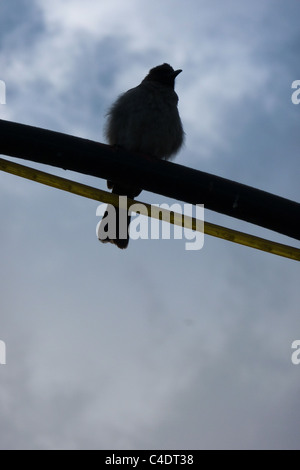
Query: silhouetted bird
[143,120]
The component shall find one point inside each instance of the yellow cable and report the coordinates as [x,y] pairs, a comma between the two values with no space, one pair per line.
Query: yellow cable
[151,211]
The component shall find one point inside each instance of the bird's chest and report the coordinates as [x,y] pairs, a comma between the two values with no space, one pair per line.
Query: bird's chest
[161,103]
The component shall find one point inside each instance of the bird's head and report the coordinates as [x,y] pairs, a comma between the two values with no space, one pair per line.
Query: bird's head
[163,74]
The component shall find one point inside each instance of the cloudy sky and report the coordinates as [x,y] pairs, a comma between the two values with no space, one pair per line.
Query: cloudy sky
[153,347]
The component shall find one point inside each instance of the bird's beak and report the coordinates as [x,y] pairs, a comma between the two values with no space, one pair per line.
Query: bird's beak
[177,72]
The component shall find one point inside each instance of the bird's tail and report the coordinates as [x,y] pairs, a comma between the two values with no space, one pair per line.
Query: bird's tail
[115,228]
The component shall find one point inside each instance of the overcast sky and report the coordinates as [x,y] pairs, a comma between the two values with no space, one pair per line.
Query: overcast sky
[152,347]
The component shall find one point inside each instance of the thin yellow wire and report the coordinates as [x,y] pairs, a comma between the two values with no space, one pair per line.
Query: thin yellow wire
[151,211]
